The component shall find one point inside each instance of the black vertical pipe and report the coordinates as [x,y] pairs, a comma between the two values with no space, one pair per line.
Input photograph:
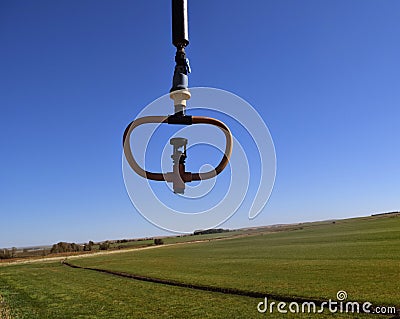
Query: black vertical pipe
[180,32]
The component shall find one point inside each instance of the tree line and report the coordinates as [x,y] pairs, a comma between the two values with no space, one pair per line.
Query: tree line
[8,253]
[210,231]
[65,247]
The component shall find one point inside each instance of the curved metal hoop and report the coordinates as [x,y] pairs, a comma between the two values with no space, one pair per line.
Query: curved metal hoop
[228,147]
[165,119]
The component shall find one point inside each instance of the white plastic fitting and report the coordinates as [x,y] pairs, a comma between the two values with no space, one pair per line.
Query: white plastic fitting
[180,97]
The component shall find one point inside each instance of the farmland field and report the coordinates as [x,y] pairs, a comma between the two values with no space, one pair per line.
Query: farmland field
[314,260]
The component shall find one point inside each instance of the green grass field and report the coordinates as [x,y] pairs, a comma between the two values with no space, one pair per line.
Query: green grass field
[314,260]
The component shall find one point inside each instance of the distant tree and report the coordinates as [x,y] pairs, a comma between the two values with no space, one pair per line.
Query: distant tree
[13,252]
[53,249]
[158,241]
[105,245]
[210,231]
[63,247]
[88,246]
[5,254]
[76,247]
[60,247]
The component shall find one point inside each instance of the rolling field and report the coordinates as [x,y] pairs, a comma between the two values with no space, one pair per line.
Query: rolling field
[313,260]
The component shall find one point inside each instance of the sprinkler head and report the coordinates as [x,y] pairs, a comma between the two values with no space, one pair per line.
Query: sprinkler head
[178,156]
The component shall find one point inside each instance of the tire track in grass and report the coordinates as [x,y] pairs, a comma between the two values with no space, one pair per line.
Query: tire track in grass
[224,290]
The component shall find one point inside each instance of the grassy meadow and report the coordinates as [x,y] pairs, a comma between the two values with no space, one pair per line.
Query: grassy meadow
[312,260]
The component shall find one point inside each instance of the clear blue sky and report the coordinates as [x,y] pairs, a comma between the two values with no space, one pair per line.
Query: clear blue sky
[324,75]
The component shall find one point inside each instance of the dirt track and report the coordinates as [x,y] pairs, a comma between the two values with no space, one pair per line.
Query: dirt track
[97,253]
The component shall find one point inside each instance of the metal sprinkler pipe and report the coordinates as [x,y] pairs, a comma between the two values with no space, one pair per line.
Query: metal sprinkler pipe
[180,94]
